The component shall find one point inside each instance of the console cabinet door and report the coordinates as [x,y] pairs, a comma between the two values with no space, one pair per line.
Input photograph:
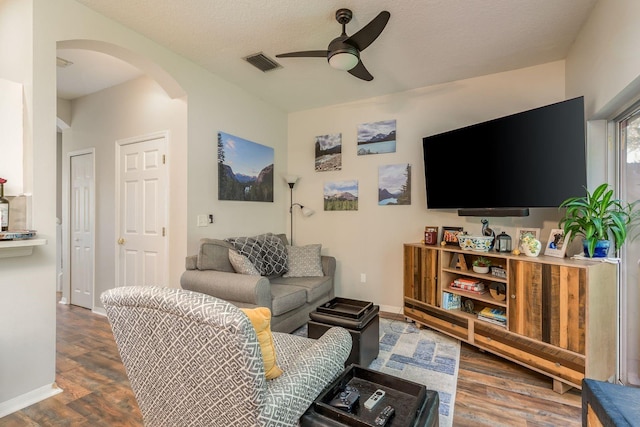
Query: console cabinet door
[548,303]
[420,273]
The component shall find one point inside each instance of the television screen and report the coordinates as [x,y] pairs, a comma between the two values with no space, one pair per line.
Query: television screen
[533,159]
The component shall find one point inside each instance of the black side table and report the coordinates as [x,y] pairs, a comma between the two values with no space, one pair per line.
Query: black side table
[360,318]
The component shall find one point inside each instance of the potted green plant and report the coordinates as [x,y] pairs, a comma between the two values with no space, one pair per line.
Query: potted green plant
[481,264]
[597,217]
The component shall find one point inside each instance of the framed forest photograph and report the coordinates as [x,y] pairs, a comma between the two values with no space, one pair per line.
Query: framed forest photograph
[245,170]
[341,196]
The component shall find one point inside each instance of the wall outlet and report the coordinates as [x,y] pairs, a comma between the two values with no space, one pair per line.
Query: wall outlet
[202,221]
[363,278]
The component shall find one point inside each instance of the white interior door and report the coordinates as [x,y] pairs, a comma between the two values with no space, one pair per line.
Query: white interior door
[142,212]
[82,230]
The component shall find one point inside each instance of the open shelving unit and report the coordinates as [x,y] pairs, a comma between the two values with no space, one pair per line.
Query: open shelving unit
[560,313]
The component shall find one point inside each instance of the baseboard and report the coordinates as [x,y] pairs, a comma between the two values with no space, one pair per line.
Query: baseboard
[28,399]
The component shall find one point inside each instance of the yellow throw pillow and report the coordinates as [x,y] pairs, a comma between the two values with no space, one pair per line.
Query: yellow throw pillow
[261,320]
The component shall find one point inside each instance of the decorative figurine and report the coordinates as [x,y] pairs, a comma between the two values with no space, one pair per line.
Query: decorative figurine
[486,231]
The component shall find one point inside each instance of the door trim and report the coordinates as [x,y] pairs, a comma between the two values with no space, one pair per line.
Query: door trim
[66,224]
[117,204]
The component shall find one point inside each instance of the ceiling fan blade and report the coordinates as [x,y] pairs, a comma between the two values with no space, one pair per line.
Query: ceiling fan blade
[367,34]
[305,54]
[361,72]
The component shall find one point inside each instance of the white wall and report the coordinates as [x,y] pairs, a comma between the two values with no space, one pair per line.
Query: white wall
[29,31]
[370,240]
[604,66]
[136,108]
[27,306]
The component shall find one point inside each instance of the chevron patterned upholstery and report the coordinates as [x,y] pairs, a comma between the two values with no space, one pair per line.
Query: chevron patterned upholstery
[194,360]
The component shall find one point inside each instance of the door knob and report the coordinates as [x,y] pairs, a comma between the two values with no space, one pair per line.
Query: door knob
[121,241]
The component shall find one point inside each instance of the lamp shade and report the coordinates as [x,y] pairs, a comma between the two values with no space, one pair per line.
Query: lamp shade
[343,61]
[291,179]
[307,211]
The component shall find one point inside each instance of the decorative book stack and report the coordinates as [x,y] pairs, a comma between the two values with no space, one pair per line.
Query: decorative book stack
[469,285]
[493,315]
[451,301]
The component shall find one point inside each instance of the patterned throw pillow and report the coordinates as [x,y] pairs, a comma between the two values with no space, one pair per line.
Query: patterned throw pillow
[274,255]
[249,247]
[265,251]
[304,261]
[241,264]
[261,320]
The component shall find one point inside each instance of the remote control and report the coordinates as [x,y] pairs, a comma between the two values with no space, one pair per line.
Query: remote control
[384,416]
[374,399]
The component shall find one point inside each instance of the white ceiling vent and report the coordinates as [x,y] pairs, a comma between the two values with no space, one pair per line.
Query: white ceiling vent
[262,62]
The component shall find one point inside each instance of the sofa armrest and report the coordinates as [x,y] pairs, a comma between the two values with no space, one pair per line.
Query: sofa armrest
[314,368]
[191,262]
[232,287]
[328,265]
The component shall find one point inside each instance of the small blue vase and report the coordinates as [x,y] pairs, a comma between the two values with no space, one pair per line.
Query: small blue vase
[600,251]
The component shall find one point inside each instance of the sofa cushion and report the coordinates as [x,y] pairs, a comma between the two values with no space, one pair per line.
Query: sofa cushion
[274,255]
[261,320]
[315,287]
[214,255]
[267,252]
[241,263]
[304,261]
[286,298]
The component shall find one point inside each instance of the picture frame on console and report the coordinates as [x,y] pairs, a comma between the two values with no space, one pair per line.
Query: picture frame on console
[450,235]
[557,243]
[520,232]
[431,235]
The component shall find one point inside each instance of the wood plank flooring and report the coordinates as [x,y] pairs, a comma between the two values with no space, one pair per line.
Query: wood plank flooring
[491,391]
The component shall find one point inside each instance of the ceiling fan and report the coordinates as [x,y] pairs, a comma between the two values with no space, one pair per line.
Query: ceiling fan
[343,52]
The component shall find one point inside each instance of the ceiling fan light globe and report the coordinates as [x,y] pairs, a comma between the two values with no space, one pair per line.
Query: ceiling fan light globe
[343,61]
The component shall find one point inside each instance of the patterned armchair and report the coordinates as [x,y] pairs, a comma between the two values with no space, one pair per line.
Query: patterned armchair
[194,360]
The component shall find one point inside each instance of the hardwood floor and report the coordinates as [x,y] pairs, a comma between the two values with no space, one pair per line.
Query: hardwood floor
[491,391]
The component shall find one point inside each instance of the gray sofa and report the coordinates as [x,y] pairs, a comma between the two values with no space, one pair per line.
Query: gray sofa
[290,299]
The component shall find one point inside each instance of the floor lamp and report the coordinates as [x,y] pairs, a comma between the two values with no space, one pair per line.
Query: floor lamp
[291,180]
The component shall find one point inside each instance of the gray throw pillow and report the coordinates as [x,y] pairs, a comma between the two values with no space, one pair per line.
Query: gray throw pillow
[241,264]
[304,261]
[266,252]
[249,247]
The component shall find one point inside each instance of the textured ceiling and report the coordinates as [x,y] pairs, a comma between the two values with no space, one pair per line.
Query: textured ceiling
[426,42]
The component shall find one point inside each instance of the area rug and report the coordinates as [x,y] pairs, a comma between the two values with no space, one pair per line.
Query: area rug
[423,356]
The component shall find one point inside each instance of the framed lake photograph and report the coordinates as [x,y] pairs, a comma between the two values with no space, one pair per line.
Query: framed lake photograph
[377,138]
[328,152]
[245,170]
[394,184]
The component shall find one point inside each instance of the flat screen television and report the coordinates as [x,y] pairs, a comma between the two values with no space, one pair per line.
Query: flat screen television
[504,166]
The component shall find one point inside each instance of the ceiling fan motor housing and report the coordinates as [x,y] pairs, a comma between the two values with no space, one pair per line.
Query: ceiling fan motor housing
[338,45]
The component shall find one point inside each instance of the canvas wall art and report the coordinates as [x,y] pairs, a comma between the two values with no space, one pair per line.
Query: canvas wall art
[377,138]
[328,152]
[341,196]
[245,170]
[394,184]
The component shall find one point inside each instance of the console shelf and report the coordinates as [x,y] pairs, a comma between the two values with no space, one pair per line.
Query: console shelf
[560,313]
[15,248]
